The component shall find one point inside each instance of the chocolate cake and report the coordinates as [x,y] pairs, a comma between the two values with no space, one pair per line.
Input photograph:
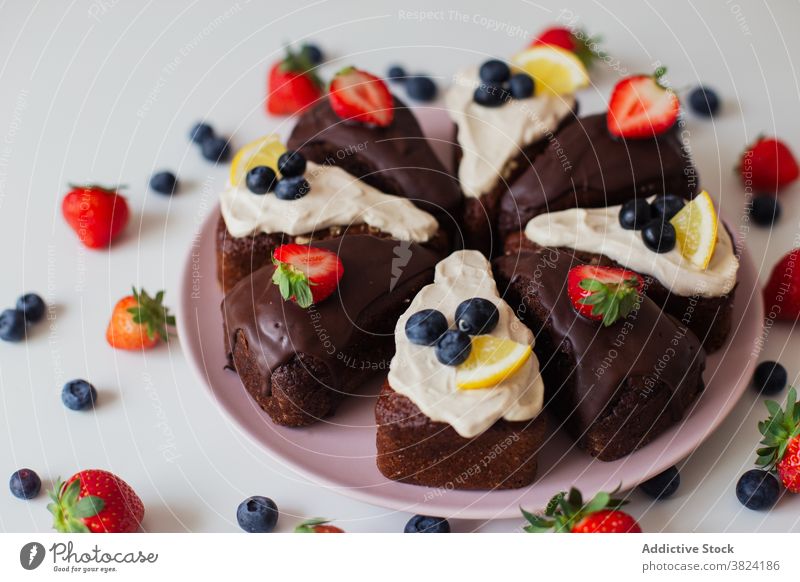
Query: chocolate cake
[614,388]
[298,364]
[584,166]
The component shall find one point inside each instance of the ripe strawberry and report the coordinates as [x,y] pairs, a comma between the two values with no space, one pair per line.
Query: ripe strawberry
[578,42]
[604,293]
[317,525]
[96,213]
[767,165]
[642,106]
[139,321]
[306,274]
[781,442]
[95,501]
[567,513]
[782,292]
[359,96]
[292,85]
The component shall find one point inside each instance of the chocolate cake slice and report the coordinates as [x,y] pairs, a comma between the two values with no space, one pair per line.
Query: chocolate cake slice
[584,166]
[298,364]
[614,388]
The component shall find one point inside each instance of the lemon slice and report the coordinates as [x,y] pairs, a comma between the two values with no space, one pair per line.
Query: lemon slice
[491,361]
[261,152]
[696,230]
[554,70]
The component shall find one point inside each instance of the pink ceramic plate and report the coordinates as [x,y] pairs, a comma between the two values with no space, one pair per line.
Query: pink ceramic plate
[340,453]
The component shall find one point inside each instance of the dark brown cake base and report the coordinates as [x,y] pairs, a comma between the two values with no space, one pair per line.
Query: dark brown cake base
[412,448]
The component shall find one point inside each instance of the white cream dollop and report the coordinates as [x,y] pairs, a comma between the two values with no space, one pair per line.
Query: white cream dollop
[417,374]
[597,230]
[335,199]
[490,137]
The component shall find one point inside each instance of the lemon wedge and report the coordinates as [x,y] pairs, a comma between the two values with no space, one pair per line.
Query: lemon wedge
[491,360]
[554,70]
[696,230]
[264,151]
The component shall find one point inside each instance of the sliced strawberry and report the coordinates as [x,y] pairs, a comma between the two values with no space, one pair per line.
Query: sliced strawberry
[567,512]
[306,274]
[578,42]
[767,165]
[359,96]
[604,293]
[292,84]
[642,106]
[782,292]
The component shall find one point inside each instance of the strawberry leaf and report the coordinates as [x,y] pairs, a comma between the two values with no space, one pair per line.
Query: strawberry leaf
[88,506]
[152,314]
[293,284]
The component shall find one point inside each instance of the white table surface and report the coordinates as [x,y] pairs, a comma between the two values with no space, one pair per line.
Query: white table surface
[106,91]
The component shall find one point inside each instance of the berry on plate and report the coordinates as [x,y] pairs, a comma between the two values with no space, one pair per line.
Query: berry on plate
[427,524]
[292,188]
[425,327]
[25,484]
[659,235]
[604,293]
[491,360]
[164,183]
[634,214]
[780,449]
[95,501]
[96,213]
[768,165]
[291,164]
[32,307]
[317,525]
[12,325]
[215,149]
[453,347]
[555,70]
[766,209]
[477,316]
[770,378]
[257,514]
[704,101]
[758,489]
[306,274]
[421,88]
[356,95]
[782,291]
[264,151]
[642,106]
[577,42]
[663,485]
[292,84]
[78,395]
[261,179]
[567,512]
[139,321]
[696,230]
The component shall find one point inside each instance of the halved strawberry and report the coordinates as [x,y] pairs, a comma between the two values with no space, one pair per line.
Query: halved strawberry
[292,84]
[359,96]
[767,165]
[567,513]
[604,293]
[577,41]
[642,106]
[306,274]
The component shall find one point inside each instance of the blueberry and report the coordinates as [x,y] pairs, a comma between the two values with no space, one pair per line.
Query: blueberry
[292,188]
[667,206]
[32,307]
[215,149]
[453,347]
[494,71]
[25,484]
[261,180]
[765,210]
[476,316]
[634,214]
[490,95]
[396,74]
[427,524]
[164,183]
[758,489]
[704,101]
[201,132]
[770,378]
[291,164]
[421,88]
[659,236]
[521,86]
[425,327]
[12,325]
[312,53]
[662,485]
[78,395]
[257,514]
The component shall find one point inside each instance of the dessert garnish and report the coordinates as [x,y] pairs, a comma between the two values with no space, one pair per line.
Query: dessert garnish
[257,514]
[139,321]
[567,513]
[635,213]
[768,165]
[781,443]
[696,230]
[98,214]
[576,41]
[782,291]
[453,347]
[359,96]
[641,106]
[477,316]
[317,525]
[306,274]
[264,151]
[667,205]
[425,327]
[658,235]
[604,293]
[555,70]
[261,179]
[292,85]
[491,360]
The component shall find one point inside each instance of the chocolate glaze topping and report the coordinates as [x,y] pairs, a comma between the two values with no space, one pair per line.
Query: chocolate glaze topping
[585,166]
[646,348]
[395,159]
[376,272]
